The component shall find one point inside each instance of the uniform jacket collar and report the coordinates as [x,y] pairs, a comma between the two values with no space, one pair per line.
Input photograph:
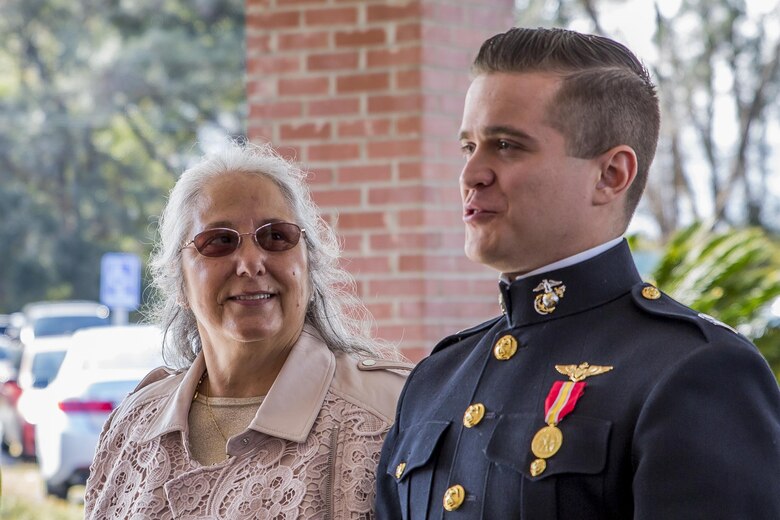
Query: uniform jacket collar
[588,284]
[288,411]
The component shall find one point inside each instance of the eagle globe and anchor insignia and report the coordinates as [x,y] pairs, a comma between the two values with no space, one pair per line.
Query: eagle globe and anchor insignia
[546,302]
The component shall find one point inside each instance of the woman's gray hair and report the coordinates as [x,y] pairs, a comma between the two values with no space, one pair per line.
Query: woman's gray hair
[337,315]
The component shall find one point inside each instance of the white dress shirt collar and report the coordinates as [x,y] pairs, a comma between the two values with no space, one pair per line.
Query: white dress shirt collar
[568,261]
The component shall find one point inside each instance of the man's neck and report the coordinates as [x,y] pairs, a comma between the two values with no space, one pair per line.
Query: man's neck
[566,262]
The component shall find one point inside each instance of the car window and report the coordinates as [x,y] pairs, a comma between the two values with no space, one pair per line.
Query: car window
[58,325]
[45,366]
[10,355]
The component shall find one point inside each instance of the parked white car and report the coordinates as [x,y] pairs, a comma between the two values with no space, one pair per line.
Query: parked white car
[101,367]
[19,402]
[60,318]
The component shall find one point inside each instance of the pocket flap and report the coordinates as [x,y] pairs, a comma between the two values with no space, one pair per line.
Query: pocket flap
[415,446]
[584,447]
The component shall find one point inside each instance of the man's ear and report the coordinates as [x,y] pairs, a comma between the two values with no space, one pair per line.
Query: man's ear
[618,170]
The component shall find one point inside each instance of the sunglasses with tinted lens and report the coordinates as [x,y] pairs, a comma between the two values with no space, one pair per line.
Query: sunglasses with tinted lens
[274,236]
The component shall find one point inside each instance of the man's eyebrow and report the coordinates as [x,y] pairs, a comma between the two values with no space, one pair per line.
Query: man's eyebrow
[508,130]
[501,130]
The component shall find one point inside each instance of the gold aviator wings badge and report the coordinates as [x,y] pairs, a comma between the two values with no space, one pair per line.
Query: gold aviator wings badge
[582,371]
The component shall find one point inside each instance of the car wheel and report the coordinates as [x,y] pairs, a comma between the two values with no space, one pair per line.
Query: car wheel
[57,490]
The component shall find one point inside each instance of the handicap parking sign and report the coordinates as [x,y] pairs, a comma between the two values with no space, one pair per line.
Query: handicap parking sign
[120,280]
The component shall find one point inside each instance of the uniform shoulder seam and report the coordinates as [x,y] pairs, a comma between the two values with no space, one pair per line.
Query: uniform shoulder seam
[655,302]
[465,333]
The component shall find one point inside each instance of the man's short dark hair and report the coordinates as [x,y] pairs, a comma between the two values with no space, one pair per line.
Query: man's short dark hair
[606,97]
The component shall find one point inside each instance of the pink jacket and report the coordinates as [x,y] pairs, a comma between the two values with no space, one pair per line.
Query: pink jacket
[310,452]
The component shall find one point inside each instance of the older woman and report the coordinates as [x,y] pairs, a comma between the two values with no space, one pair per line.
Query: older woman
[281,401]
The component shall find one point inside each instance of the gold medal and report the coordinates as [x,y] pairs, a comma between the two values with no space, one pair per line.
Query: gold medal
[561,399]
[547,442]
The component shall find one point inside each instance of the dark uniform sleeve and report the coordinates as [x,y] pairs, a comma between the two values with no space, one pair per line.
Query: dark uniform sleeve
[387,503]
[388,506]
[707,441]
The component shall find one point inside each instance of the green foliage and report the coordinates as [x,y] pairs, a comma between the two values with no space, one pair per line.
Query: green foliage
[103,103]
[769,345]
[733,275]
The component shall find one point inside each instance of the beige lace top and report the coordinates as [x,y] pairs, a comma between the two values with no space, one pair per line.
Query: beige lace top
[233,414]
[310,451]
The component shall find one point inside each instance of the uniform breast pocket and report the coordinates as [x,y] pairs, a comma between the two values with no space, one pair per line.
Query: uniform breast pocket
[412,461]
[570,483]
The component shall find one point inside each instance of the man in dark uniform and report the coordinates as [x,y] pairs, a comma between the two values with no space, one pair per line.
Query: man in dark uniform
[594,395]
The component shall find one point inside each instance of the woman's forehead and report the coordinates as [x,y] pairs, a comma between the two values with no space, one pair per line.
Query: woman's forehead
[239,198]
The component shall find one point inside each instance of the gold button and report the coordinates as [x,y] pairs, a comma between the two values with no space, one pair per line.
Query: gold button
[454,497]
[505,347]
[651,293]
[537,467]
[399,470]
[473,415]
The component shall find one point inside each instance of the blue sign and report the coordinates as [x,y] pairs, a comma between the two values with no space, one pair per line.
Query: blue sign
[120,280]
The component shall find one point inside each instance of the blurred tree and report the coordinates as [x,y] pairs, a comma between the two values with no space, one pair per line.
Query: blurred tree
[717,66]
[103,103]
[769,344]
[718,72]
[731,275]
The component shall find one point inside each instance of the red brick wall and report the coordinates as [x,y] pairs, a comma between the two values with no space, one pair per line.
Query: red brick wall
[368,96]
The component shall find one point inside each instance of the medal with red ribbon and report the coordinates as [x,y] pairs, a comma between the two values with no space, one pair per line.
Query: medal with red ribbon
[561,400]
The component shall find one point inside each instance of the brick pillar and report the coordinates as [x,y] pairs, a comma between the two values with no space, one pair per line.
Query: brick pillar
[368,95]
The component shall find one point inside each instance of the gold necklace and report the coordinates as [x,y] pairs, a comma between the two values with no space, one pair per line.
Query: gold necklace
[208,404]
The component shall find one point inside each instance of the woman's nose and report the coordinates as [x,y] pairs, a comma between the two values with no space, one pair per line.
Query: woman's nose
[251,258]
